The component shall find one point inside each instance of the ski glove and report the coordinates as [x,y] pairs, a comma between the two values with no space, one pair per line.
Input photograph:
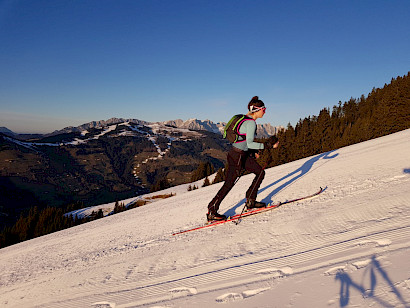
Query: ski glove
[271,141]
[253,152]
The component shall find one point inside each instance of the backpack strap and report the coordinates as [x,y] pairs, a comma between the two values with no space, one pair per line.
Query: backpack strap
[238,126]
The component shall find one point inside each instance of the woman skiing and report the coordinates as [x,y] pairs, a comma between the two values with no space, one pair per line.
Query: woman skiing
[242,156]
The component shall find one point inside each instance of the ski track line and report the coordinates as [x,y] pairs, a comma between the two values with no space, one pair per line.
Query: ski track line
[373,213]
[351,215]
[298,244]
[164,295]
[91,289]
[222,284]
[331,249]
[157,290]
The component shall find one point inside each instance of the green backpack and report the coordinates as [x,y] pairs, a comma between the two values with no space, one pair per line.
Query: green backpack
[231,130]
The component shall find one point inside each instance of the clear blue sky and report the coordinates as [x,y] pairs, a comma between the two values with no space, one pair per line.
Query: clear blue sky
[65,63]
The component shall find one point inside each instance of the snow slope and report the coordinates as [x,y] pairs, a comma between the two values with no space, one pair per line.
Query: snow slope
[348,247]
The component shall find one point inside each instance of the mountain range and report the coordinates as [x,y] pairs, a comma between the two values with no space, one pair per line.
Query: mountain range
[263,130]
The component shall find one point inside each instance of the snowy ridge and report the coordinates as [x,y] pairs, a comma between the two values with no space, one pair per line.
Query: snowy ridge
[29,145]
[348,247]
[134,130]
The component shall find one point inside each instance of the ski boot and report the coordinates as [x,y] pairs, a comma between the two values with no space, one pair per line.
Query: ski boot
[252,204]
[215,216]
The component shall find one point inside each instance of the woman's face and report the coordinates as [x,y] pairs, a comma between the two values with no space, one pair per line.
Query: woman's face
[261,112]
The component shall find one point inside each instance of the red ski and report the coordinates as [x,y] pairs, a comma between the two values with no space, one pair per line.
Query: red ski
[249,213]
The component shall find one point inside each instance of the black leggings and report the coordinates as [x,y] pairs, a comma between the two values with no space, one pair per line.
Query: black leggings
[238,160]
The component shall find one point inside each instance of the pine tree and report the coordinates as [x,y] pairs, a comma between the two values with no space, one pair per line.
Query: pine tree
[219,177]
[100,214]
[161,185]
[204,169]
[322,132]
[119,207]
[206,182]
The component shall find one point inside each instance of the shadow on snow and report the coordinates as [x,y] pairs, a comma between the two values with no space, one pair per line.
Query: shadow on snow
[346,284]
[290,179]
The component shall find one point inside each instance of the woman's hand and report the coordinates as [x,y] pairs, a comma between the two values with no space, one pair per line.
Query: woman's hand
[272,142]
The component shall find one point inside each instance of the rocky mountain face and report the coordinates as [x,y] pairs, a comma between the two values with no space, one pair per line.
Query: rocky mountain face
[262,131]
[195,124]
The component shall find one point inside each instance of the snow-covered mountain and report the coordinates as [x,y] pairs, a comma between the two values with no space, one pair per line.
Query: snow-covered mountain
[263,130]
[348,247]
[267,130]
[96,124]
[196,124]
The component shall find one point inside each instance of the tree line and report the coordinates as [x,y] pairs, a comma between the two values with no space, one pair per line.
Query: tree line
[38,222]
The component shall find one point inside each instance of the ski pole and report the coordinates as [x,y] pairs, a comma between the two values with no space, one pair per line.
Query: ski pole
[243,209]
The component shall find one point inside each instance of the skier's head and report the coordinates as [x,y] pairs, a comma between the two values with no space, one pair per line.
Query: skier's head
[255,105]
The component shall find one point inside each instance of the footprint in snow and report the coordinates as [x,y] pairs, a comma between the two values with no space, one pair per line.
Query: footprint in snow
[183,291]
[334,270]
[375,243]
[250,293]
[350,267]
[276,272]
[395,178]
[231,297]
